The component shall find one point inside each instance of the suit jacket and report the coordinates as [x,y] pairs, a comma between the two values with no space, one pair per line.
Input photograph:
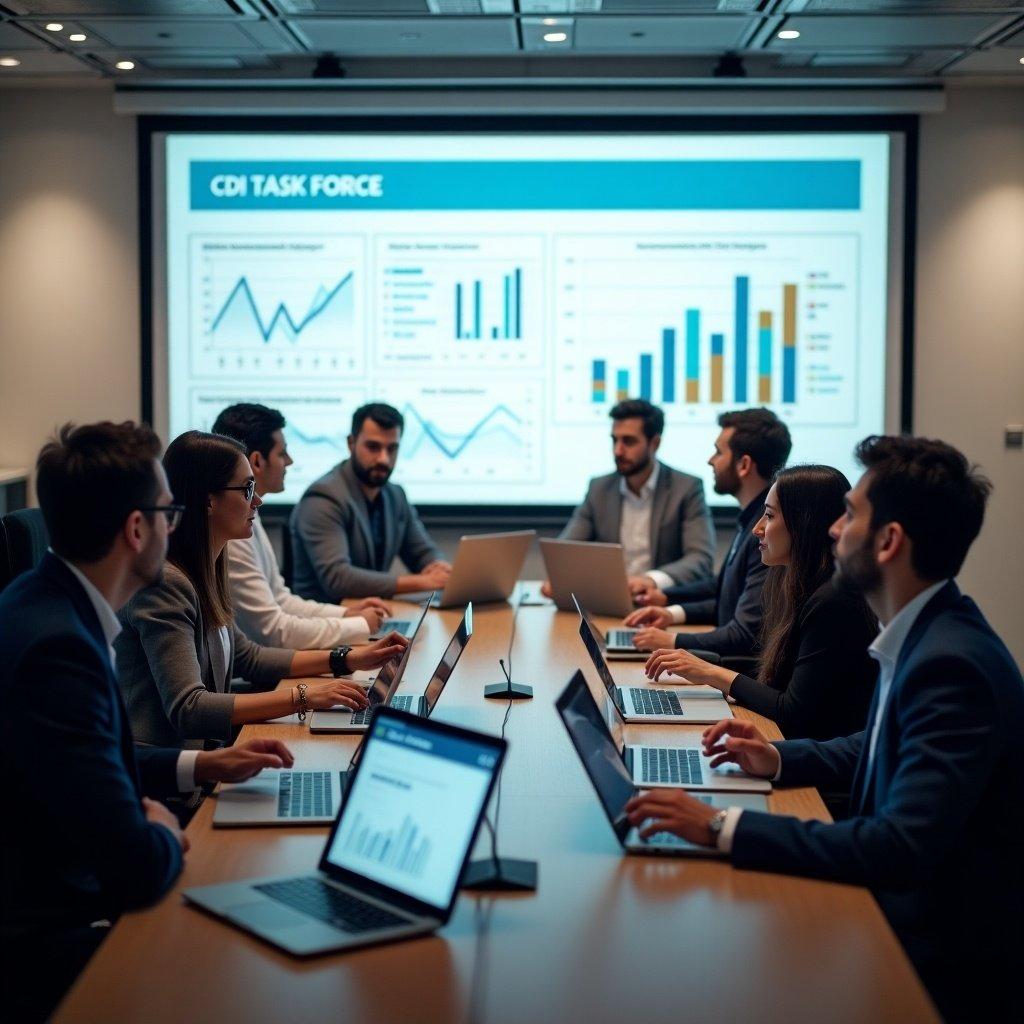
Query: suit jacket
[79,847]
[827,680]
[682,534]
[732,600]
[332,544]
[937,830]
[172,669]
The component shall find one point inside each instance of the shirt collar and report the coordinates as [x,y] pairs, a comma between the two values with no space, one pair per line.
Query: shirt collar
[108,619]
[889,642]
[648,487]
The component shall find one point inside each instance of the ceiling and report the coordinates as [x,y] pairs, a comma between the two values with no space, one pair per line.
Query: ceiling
[259,42]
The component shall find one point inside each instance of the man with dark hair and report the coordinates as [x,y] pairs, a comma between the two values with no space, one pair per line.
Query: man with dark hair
[351,524]
[265,609]
[655,512]
[74,783]
[752,446]
[937,781]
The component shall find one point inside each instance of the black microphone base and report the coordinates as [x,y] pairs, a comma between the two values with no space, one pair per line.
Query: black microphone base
[508,691]
[506,874]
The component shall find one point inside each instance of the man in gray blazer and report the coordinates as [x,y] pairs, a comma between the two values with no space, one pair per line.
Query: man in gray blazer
[350,524]
[655,512]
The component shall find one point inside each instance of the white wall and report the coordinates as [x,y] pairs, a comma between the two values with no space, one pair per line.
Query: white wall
[69,346]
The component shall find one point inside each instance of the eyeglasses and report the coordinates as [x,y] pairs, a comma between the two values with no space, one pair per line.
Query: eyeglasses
[172,512]
[248,489]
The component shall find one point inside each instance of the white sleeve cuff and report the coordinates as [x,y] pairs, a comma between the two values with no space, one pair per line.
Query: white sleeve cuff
[778,771]
[186,771]
[661,579]
[677,613]
[732,819]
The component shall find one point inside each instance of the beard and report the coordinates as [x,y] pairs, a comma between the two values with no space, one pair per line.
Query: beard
[148,568]
[727,482]
[858,573]
[627,468]
[375,476]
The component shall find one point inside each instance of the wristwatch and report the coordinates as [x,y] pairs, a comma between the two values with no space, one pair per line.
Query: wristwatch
[339,661]
[715,826]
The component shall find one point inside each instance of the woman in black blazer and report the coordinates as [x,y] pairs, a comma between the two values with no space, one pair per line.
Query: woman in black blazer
[815,678]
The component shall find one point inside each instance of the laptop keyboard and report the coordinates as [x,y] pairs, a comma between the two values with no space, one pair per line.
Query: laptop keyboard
[681,767]
[304,795]
[333,906]
[362,717]
[622,637]
[655,702]
[403,703]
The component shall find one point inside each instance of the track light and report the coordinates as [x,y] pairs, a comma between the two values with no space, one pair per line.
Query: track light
[328,66]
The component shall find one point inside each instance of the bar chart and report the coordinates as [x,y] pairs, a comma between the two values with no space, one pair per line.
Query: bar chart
[405,849]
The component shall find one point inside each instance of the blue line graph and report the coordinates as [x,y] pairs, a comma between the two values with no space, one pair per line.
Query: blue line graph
[453,444]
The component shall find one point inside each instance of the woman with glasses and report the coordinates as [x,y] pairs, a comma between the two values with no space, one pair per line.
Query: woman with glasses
[179,648]
[814,676]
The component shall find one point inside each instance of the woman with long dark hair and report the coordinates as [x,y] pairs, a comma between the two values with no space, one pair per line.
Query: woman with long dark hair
[179,648]
[814,677]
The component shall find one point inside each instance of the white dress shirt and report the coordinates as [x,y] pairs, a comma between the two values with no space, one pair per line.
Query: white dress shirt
[270,614]
[885,649]
[185,772]
[635,529]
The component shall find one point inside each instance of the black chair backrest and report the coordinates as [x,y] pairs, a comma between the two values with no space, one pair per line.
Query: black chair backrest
[23,542]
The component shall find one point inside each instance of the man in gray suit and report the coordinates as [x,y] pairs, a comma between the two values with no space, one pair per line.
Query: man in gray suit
[350,524]
[655,512]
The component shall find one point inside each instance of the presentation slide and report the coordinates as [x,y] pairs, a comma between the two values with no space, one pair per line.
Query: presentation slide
[505,291]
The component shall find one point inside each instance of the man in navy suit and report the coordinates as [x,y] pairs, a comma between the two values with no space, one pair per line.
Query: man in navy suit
[85,840]
[937,780]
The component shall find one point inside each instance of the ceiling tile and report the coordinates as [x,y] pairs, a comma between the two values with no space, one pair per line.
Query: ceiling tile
[898,32]
[172,35]
[440,36]
[12,38]
[675,35]
[44,64]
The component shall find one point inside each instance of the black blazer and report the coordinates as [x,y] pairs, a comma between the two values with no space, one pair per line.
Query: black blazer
[79,847]
[937,830]
[732,600]
[826,683]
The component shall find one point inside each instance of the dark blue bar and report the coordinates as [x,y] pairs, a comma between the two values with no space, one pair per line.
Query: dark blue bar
[476,312]
[789,373]
[519,303]
[668,365]
[718,344]
[646,373]
[458,310]
[742,316]
[507,287]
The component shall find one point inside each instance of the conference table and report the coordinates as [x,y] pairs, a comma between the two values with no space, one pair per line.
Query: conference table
[606,937]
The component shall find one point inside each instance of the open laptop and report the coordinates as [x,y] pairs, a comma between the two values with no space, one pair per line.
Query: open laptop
[594,571]
[684,767]
[653,704]
[486,568]
[392,863]
[616,644]
[615,785]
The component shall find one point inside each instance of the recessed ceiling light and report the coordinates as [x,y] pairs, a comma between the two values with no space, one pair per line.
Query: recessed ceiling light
[1022,60]
[555,37]
[9,62]
[77,37]
[125,65]
[550,21]
[54,26]
[789,33]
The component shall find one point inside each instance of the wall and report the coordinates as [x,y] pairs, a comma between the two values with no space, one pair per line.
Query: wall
[69,291]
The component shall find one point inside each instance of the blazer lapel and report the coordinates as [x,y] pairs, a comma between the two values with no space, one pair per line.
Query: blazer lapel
[358,506]
[390,529]
[612,526]
[658,512]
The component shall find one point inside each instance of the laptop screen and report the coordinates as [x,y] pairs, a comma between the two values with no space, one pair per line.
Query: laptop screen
[414,807]
[387,679]
[450,658]
[596,653]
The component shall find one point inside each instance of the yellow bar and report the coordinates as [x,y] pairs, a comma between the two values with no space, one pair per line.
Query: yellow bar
[621,395]
[717,378]
[764,389]
[764,319]
[692,391]
[789,315]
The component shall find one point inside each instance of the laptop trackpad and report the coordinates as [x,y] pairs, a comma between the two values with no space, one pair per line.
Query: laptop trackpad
[266,913]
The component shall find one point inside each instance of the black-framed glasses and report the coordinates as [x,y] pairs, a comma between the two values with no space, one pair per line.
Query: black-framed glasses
[248,489]
[172,512]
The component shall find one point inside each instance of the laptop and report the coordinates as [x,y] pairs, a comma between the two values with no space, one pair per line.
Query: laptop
[594,571]
[337,720]
[286,796]
[614,784]
[405,627]
[617,644]
[391,866]
[653,704]
[486,568]
[684,767]
[382,690]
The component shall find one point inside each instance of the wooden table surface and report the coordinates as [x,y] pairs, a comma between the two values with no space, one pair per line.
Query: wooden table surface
[606,937]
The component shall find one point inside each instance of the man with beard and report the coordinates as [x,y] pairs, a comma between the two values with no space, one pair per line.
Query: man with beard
[936,777]
[350,524]
[86,841]
[655,512]
[751,447]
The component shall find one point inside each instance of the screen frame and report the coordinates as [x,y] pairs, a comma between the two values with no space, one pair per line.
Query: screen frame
[899,365]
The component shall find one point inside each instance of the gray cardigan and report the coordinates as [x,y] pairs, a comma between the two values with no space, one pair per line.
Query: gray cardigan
[172,669]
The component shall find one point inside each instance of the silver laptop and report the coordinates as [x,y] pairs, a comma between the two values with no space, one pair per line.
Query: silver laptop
[486,568]
[614,783]
[596,572]
[392,863]
[684,767]
[382,690]
[625,651]
[653,703]
[425,703]
[289,796]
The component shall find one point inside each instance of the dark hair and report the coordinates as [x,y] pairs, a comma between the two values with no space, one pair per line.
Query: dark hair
[89,479]
[931,490]
[197,465]
[387,417]
[810,499]
[760,434]
[254,425]
[639,408]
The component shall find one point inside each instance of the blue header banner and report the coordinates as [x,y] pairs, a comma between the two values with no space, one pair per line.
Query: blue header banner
[525,185]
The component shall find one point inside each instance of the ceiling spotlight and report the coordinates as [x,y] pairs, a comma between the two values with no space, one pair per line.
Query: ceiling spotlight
[125,65]
[555,37]
[328,66]
[789,33]
[550,21]
[54,26]
[730,65]
[77,37]
[9,62]
[1022,60]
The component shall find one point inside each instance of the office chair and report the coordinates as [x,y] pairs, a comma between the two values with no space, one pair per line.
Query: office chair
[23,542]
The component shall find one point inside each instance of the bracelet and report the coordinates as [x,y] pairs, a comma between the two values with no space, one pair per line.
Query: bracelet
[303,703]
